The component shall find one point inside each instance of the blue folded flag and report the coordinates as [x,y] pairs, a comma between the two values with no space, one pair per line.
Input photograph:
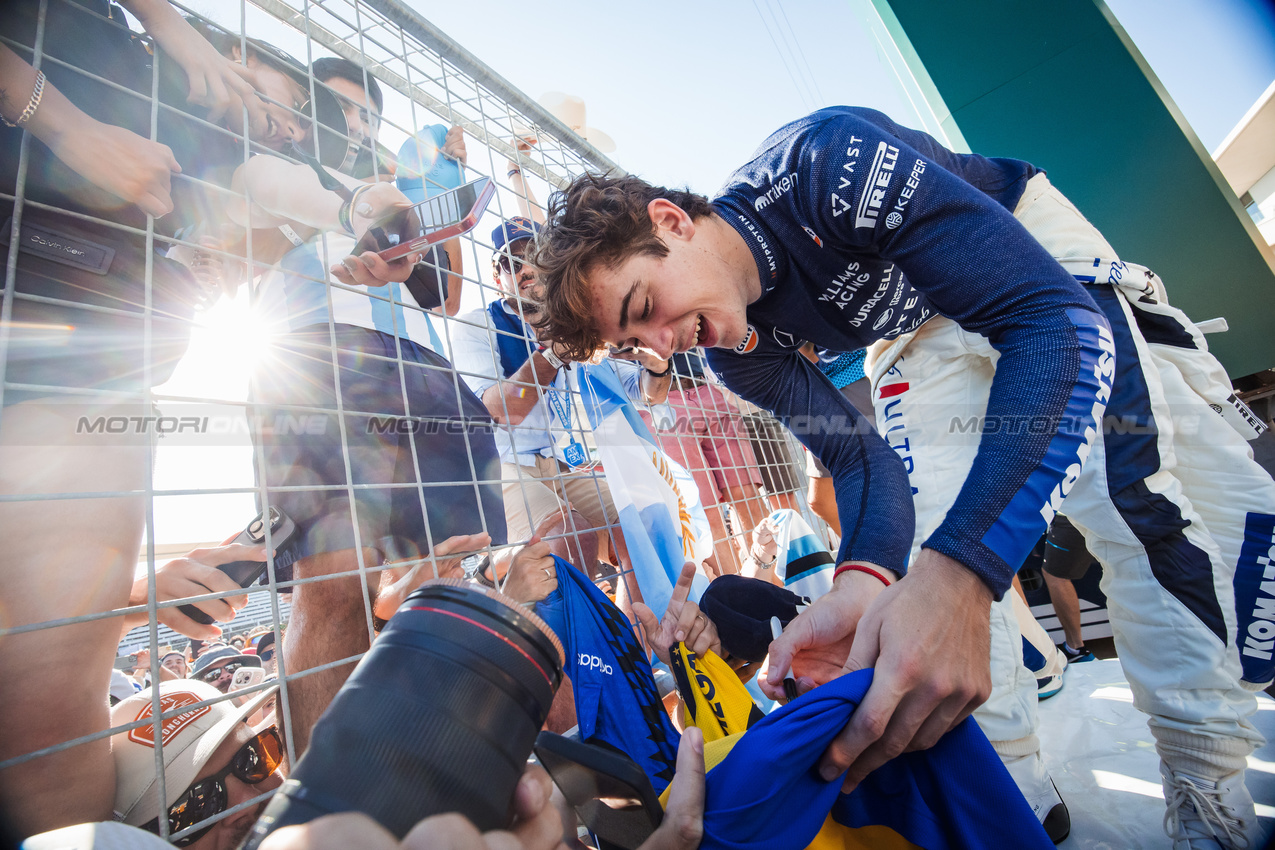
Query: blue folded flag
[617,702]
[767,795]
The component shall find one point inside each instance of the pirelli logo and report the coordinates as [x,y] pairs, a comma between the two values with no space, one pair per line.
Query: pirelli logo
[873,198]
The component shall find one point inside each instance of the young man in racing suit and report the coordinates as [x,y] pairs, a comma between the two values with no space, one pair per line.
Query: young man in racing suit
[1003,325]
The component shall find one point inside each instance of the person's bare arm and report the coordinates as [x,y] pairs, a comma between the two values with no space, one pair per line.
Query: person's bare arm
[214,81]
[117,160]
[528,207]
[283,193]
[455,278]
[509,401]
[655,386]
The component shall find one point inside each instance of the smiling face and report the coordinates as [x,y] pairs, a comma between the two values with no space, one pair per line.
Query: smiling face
[283,98]
[517,278]
[695,295]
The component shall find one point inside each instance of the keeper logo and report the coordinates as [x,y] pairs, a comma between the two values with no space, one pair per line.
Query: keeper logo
[593,662]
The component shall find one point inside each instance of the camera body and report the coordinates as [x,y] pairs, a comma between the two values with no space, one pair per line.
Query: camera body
[439,716]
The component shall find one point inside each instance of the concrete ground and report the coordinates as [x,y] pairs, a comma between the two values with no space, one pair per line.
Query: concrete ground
[1101,755]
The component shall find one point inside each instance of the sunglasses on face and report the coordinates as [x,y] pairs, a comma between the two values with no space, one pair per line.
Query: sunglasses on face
[252,764]
[267,655]
[213,674]
[510,264]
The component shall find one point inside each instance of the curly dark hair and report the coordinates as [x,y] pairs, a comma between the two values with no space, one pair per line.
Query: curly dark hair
[597,221]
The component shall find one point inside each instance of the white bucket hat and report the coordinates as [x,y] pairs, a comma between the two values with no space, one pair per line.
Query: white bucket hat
[189,737]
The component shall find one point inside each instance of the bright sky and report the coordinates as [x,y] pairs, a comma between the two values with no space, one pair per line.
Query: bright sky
[687,90]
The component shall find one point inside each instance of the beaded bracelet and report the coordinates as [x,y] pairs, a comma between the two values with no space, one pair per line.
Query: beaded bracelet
[32,105]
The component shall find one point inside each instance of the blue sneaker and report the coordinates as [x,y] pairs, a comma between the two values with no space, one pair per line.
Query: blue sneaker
[1076,656]
[1047,686]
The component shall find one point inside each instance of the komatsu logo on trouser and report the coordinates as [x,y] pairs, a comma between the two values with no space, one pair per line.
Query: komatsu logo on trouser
[1103,370]
[1255,598]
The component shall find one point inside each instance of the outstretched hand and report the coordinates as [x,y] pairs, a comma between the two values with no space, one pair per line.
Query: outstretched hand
[533,573]
[928,638]
[682,621]
[443,562]
[194,574]
[222,85]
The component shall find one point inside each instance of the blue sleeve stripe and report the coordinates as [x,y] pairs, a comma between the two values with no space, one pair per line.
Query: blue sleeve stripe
[1014,533]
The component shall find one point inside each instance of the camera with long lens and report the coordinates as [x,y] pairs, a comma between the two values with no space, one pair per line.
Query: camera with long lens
[439,716]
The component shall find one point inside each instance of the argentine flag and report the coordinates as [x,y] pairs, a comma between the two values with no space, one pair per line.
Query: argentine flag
[661,516]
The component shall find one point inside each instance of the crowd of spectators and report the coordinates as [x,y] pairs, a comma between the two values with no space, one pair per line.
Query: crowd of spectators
[220,192]
[495,482]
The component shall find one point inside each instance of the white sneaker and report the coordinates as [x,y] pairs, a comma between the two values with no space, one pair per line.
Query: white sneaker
[1033,780]
[1202,814]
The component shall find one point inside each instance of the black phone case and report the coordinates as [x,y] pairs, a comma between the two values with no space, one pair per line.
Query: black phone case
[585,773]
[244,573]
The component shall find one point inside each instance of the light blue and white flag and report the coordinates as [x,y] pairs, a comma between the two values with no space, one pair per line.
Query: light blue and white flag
[662,518]
[802,559]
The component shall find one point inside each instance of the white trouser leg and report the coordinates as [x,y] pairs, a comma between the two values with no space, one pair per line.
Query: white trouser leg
[1229,490]
[925,401]
[1167,572]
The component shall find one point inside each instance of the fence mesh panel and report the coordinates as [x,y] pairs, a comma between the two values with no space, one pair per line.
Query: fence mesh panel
[358,412]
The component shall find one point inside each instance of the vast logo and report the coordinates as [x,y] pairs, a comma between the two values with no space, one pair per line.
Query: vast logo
[874,189]
[593,662]
[778,188]
[1103,370]
[839,205]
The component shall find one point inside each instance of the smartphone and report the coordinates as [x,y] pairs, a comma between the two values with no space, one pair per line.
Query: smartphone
[610,793]
[246,677]
[430,222]
[244,573]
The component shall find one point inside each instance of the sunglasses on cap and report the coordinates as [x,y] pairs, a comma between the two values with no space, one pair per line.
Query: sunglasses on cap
[212,674]
[251,765]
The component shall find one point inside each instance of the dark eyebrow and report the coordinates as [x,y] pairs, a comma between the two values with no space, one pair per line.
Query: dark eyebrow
[624,305]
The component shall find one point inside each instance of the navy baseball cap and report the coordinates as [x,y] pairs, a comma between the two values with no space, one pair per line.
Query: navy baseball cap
[512,230]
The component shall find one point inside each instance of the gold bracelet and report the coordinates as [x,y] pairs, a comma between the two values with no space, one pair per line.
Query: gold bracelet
[32,105]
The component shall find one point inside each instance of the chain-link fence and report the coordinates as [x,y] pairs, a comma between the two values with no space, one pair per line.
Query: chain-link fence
[173,363]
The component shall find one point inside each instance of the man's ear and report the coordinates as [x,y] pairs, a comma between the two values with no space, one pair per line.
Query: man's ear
[235,52]
[670,220]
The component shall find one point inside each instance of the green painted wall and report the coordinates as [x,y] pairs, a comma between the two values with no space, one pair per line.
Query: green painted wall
[1060,84]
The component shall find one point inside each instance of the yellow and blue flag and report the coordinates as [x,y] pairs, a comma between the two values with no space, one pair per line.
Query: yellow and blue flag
[762,790]
[713,697]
